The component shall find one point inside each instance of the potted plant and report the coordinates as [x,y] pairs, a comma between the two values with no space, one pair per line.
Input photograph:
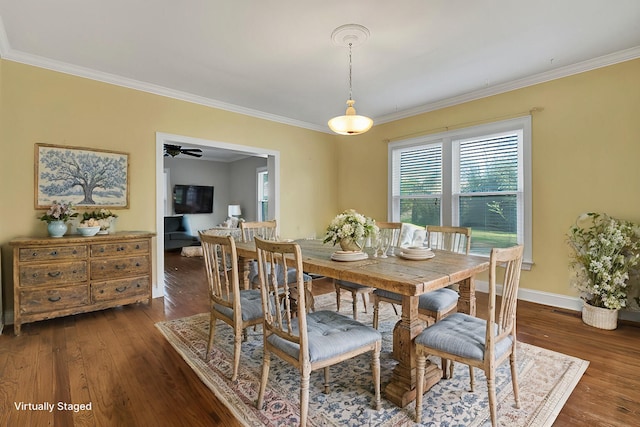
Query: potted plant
[103,218]
[604,249]
[56,218]
[350,229]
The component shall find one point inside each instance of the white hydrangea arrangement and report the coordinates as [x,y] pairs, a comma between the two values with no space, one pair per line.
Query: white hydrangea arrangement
[604,249]
[350,225]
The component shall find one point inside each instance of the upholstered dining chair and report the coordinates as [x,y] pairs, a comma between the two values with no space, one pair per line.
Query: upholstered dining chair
[434,305]
[268,230]
[237,308]
[308,341]
[393,231]
[480,343]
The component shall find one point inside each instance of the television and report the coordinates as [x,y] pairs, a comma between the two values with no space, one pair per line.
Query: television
[192,199]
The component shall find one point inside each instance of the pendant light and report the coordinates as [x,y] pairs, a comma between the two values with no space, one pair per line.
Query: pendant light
[350,124]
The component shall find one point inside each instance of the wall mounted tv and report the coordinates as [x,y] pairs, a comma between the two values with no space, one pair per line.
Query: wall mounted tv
[191,199]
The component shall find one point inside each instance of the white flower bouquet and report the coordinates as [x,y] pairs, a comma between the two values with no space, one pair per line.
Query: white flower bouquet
[350,225]
[604,249]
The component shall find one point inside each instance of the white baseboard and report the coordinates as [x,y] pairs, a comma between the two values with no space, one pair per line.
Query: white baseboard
[556,300]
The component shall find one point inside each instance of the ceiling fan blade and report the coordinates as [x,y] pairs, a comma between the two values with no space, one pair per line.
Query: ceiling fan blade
[188,153]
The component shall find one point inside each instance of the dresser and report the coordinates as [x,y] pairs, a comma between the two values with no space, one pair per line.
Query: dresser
[55,277]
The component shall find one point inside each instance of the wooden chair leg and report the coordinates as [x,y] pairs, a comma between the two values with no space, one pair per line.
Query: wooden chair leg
[326,380]
[337,297]
[376,306]
[491,385]
[354,299]
[421,362]
[375,368]
[395,310]
[364,301]
[237,344]
[304,395]
[266,363]
[514,378]
[212,333]
[471,378]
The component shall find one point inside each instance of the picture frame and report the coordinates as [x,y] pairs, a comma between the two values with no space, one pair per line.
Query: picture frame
[85,177]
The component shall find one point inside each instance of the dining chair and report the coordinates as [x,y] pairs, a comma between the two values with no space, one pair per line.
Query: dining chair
[237,308]
[263,229]
[308,341]
[268,230]
[435,305]
[476,342]
[393,231]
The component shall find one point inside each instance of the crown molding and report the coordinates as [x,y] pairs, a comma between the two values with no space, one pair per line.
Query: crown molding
[6,52]
[569,70]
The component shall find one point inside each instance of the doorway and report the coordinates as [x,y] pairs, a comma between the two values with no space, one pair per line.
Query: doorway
[273,169]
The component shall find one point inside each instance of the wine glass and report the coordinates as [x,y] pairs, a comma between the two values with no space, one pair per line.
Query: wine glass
[385,243]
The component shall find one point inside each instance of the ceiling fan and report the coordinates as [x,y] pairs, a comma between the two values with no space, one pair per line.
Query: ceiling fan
[174,150]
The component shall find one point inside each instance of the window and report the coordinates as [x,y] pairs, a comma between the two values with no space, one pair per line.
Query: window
[263,194]
[476,177]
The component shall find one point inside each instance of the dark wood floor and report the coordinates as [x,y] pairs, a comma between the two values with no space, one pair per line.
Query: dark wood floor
[118,361]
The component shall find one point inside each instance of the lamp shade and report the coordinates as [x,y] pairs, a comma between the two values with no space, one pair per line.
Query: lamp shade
[234,210]
[350,123]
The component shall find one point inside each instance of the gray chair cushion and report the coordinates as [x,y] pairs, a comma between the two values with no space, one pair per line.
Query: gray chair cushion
[437,300]
[254,279]
[330,334]
[351,285]
[462,335]
[250,303]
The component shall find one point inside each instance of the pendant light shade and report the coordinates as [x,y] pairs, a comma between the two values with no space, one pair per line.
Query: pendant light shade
[351,123]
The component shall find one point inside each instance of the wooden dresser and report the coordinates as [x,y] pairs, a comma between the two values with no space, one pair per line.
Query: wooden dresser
[55,277]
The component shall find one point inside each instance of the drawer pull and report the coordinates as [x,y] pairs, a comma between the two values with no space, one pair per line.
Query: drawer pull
[55,299]
[121,267]
[137,246]
[121,289]
[101,249]
[35,254]
[74,251]
[54,274]
[137,264]
[54,253]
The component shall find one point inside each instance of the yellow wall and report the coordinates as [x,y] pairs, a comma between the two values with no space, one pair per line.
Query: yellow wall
[41,106]
[585,157]
[586,147]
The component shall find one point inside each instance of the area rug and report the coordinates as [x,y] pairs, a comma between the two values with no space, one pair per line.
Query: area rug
[546,380]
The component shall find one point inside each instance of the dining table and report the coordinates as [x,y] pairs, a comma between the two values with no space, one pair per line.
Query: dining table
[407,277]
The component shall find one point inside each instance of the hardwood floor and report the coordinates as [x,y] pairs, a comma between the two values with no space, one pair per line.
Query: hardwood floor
[118,362]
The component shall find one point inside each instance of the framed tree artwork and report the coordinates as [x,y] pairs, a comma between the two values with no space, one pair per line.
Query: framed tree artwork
[85,177]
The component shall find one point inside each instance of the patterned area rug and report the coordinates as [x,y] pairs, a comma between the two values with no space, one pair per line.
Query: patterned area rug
[546,380]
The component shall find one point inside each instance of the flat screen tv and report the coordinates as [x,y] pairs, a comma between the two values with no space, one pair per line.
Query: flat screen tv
[191,199]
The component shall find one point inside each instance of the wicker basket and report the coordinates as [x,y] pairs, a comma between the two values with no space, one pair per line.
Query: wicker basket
[598,317]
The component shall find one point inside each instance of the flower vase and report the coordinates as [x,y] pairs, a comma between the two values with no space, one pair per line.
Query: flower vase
[350,245]
[57,228]
[598,317]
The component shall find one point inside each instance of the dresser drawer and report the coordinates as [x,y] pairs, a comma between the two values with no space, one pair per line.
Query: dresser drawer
[51,274]
[119,289]
[44,300]
[136,247]
[119,267]
[52,253]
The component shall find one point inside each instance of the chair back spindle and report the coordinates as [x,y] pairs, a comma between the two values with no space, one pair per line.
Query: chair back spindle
[266,230]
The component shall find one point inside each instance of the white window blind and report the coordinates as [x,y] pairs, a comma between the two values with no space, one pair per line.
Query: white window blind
[417,193]
[476,177]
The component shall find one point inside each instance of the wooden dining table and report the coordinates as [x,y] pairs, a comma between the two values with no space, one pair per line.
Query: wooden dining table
[410,278]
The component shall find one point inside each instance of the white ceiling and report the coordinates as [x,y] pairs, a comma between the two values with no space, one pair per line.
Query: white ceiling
[275,58]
